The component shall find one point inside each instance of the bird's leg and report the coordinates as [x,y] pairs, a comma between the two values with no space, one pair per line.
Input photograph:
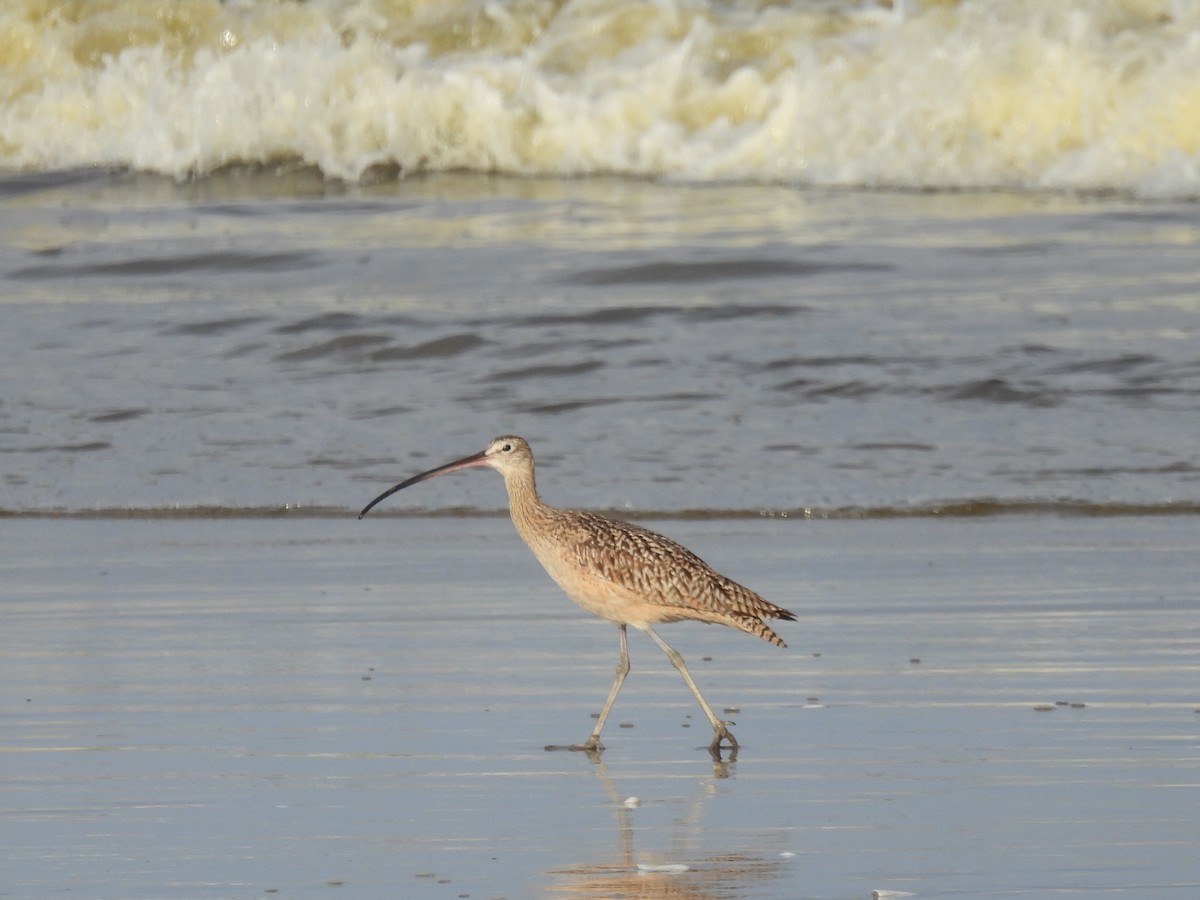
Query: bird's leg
[592,744]
[721,730]
[622,670]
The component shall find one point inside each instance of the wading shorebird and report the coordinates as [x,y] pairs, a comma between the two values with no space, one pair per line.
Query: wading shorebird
[620,572]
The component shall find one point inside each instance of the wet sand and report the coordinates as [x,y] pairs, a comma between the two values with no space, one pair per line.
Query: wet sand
[1002,707]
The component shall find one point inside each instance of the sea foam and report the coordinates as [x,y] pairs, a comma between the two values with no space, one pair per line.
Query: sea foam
[921,95]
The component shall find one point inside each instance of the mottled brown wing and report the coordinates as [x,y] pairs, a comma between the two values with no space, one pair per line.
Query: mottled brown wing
[663,572]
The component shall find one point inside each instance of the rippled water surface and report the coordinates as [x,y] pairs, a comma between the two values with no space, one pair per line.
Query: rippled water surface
[257,340]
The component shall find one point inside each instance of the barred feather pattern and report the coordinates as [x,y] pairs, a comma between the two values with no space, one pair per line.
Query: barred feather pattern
[664,573]
[591,556]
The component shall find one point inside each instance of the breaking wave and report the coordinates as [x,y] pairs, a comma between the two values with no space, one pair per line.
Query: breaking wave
[915,94]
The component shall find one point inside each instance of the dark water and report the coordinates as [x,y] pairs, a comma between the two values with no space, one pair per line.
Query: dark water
[260,340]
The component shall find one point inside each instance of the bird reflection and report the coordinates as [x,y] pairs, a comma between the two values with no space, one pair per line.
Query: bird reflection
[678,873]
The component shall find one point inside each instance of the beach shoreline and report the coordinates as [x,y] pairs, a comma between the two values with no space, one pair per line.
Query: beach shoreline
[223,707]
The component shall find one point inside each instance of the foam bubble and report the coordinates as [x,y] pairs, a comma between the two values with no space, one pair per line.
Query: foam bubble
[979,93]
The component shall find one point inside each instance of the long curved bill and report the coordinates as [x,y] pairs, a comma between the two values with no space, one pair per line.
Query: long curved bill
[467,462]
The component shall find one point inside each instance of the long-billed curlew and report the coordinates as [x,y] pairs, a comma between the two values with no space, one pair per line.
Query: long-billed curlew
[620,572]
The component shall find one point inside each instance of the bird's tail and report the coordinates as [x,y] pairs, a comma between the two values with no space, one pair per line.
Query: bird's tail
[762,630]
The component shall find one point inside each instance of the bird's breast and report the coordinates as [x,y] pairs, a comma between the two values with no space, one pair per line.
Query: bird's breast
[589,587]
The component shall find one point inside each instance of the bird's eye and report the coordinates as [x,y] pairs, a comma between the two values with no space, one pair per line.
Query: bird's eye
[507,448]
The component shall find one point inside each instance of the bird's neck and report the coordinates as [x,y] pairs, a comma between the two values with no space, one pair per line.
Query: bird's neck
[524,504]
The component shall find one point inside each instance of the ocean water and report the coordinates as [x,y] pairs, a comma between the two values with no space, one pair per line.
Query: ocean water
[913,267]
[908,93]
[709,258]
[260,341]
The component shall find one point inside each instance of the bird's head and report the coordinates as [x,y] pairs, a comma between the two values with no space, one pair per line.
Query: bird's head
[505,454]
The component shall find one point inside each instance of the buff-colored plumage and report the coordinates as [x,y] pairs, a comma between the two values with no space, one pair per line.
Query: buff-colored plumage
[667,582]
[618,571]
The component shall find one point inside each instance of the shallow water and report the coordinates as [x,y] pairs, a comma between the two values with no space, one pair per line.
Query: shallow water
[262,340]
[221,708]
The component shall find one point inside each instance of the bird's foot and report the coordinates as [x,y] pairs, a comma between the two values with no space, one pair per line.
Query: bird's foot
[722,733]
[591,745]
